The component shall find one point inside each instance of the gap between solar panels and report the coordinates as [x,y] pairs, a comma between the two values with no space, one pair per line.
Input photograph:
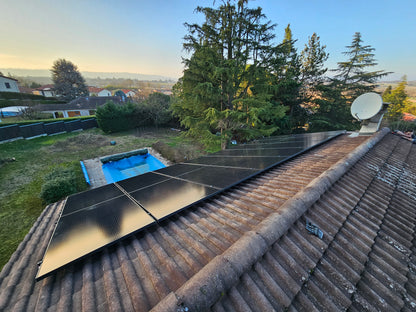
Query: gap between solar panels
[100,217]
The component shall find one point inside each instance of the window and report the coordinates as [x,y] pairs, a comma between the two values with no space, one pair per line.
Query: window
[74,113]
[7,85]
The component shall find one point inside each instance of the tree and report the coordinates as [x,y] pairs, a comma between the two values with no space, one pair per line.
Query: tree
[34,85]
[352,75]
[225,86]
[351,80]
[398,100]
[69,84]
[157,108]
[312,71]
[331,111]
[285,83]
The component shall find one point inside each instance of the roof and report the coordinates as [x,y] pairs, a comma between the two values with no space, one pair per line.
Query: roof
[125,91]
[408,117]
[8,78]
[95,89]
[47,87]
[247,248]
[90,102]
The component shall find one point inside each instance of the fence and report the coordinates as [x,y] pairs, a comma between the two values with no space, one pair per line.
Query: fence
[16,132]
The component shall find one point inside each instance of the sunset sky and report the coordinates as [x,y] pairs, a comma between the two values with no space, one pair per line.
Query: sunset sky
[146,37]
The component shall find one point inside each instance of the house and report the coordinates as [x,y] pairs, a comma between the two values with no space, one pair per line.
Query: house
[94,91]
[128,93]
[249,249]
[83,106]
[46,90]
[8,84]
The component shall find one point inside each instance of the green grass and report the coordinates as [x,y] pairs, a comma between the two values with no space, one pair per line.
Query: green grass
[21,180]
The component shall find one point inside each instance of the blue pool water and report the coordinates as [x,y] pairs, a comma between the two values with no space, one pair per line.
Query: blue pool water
[115,171]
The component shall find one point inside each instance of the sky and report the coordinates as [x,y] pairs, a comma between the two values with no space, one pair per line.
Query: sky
[146,36]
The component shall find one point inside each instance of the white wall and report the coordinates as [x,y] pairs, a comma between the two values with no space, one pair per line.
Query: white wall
[104,93]
[48,93]
[8,85]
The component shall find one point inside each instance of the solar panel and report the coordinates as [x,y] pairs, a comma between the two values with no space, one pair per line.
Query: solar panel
[93,219]
[218,177]
[90,198]
[84,231]
[170,196]
[247,162]
[141,181]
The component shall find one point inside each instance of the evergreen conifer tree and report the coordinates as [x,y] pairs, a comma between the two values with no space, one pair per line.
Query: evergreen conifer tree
[353,75]
[351,80]
[68,82]
[225,86]
[313,68]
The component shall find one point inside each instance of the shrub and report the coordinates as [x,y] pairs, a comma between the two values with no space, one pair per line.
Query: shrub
[21,96]
[115,118]
[57,188]
[61,182]
[403,125]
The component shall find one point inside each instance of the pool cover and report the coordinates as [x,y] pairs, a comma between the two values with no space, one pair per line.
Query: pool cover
[115,171]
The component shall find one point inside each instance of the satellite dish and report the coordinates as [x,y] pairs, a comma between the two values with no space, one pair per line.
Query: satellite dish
[366,106]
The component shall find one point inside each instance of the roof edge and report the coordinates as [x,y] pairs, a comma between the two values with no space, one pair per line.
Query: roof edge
[203,289]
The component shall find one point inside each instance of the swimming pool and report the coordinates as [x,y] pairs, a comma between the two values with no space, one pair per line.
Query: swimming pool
[132,166]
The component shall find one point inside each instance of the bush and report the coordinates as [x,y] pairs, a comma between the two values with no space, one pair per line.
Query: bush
[57,188]
[22,96]
[403,125]
[61,182]
[115,118]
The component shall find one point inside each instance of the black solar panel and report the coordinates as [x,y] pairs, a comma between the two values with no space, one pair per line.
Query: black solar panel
[218,177]
[93,219]
[78,234]
[170,196]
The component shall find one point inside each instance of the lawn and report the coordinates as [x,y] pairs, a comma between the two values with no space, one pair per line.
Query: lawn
[21,179]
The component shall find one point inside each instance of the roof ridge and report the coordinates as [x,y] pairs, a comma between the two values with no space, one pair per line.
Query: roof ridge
[206,286]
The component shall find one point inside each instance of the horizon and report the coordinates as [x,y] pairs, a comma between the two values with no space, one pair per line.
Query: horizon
[20,73]
[138,37]
[158,77]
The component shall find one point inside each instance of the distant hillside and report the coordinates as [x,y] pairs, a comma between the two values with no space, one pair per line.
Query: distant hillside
[410,88]
[46,73]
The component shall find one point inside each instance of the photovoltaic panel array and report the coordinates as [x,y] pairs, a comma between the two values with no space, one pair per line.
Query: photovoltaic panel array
[99,217]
